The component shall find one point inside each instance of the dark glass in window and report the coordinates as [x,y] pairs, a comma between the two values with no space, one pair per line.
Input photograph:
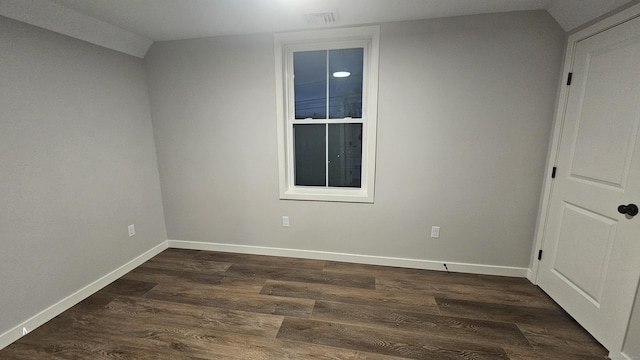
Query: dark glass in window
[345,93]
[345,155]
[310,154]
[310,84]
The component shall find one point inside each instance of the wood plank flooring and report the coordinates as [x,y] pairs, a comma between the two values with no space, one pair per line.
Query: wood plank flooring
[195,305]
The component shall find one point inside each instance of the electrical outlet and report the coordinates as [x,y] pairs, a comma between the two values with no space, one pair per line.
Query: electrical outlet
[132,229]
[435,232]
[285,221]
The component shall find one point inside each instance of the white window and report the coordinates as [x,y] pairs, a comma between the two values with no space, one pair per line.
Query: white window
[327,91]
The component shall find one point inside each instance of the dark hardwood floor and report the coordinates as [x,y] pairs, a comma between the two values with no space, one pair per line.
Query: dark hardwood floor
[186,304]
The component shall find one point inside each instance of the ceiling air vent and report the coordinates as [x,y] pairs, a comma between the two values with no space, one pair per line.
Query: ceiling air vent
[323,18]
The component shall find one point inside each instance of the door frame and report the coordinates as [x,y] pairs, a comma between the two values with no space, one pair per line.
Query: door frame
[609,22]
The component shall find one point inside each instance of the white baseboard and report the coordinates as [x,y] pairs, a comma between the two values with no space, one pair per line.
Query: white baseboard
[353,258]
[66,303]
[531,276]
[619,356]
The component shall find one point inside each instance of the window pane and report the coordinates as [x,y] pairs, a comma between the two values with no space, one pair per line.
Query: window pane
[345,91]
[310,84]
[345,155]
[310,154]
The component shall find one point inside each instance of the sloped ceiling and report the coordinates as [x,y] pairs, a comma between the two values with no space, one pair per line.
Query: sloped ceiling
[131,26]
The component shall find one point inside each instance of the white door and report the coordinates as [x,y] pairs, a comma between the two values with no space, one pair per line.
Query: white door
[591,251]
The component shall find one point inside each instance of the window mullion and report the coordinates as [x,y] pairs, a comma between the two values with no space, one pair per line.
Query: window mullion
[327,89]
[326,130]
[328,162]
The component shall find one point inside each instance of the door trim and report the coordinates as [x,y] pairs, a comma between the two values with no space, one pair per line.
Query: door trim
[558,122]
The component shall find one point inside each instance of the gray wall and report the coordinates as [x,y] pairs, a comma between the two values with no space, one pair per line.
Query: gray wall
[77,165]
[465,112]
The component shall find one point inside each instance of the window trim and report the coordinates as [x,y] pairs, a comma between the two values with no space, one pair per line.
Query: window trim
[327,39]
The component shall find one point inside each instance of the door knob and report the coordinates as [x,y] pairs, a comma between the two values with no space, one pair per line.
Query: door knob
[631,209]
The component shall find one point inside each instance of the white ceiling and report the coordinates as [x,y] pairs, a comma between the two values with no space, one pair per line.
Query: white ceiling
[131,26]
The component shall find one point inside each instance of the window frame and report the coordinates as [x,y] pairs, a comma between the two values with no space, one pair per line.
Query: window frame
[328,39]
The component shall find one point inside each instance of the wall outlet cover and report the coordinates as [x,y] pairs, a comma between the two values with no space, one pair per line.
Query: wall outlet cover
[435,232]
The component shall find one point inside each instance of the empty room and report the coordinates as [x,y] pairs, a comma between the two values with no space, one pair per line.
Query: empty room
[319,179]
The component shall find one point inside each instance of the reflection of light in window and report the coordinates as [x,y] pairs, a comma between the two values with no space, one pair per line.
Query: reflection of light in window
[341,74]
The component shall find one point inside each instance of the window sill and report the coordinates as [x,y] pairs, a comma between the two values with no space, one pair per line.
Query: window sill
[328,195]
